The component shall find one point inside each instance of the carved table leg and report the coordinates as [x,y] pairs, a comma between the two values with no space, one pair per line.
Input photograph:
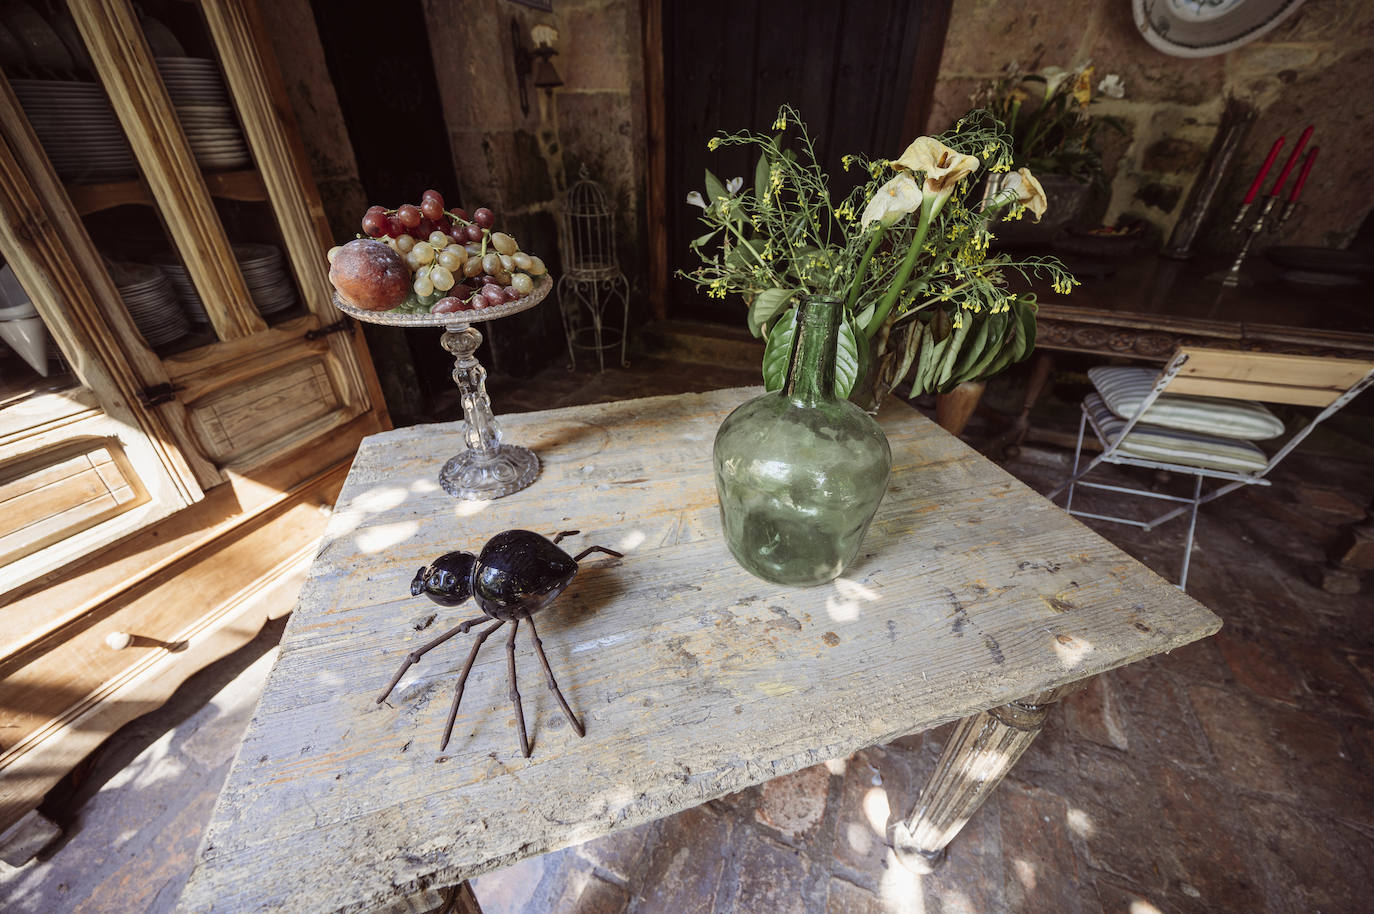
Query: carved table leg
[982,749]
[1015,433]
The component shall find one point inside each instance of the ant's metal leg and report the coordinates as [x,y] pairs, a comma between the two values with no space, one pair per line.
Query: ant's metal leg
[590,549]
[553,683]
[558,537]
[514,690]
[419,652]
[463,680]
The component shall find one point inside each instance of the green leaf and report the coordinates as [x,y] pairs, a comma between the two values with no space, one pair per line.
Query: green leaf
[714,189]
[1024,308]
[765,307]
[698,242]
[866,315]
[911,340]
[761,173]
[847,359]
[954,344]
[999,338]
[972,350]
[777,351]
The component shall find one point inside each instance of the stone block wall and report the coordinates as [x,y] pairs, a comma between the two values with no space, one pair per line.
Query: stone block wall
[1315,68]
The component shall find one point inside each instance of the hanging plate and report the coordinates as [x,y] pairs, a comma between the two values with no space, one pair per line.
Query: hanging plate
[1202,28]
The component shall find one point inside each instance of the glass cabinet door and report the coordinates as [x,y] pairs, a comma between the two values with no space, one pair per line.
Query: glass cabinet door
[161,128]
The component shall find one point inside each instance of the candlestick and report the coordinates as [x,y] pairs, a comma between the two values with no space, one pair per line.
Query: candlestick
[1264,170]
[1302,175]
[1292,160]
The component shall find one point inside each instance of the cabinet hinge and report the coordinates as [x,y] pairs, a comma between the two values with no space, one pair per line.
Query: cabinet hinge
[157,395]
[342,324]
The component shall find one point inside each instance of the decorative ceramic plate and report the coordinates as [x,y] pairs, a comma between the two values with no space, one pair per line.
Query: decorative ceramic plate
[1202,28]
[457,318]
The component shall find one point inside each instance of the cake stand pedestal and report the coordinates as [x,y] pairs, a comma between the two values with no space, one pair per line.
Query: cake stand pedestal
[488,468]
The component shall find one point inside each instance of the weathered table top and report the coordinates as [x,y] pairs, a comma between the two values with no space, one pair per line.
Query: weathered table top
[693,678]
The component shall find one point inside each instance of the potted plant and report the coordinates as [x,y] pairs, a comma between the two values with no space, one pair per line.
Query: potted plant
[1053,132]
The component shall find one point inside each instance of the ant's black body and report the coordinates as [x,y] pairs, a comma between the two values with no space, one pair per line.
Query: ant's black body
[516,574]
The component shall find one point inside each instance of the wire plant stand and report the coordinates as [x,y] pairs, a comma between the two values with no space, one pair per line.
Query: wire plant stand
[592,284]
[488,468]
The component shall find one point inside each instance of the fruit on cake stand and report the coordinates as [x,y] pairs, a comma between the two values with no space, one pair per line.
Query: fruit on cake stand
[428,266]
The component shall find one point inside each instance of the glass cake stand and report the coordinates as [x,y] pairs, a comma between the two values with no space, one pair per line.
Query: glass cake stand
[488,468]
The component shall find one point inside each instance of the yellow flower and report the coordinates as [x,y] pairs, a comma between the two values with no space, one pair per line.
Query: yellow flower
[895,200]
[781,122]
[713,143]
[1083,87]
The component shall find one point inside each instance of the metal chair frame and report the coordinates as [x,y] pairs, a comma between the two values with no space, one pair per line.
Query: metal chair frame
[1233,479]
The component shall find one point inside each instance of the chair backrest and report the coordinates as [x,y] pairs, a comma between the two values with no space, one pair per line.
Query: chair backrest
[1302,380]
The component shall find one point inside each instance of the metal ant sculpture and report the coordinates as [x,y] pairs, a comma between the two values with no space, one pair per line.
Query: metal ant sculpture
[516,574]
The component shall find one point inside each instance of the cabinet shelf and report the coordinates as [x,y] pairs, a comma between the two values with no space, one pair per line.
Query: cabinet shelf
[246,186]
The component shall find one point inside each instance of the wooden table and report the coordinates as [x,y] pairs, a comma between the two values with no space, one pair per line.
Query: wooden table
[974,598]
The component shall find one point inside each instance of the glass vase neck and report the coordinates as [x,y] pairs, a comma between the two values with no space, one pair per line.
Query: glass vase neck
[811,366]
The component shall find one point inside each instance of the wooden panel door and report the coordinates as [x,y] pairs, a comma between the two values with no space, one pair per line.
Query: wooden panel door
[846,67]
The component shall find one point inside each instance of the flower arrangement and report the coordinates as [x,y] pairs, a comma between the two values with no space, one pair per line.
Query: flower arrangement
[907,252]
[1047,115]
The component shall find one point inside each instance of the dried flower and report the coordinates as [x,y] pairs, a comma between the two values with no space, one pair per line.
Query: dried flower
[897,198]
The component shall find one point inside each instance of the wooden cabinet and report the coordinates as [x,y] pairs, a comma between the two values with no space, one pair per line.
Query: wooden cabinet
[164,477]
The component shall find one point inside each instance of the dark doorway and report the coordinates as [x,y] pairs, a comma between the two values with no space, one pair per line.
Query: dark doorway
[382,70]
[848,68]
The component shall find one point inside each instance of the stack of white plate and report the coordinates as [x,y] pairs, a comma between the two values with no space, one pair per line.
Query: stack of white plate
[187,295]
[152,303]
[78,129]
[268,281]
[202,103]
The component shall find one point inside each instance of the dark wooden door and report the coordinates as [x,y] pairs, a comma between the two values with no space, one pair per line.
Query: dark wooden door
[847,67]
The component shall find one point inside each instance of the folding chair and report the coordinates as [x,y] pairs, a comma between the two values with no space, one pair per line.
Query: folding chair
[1155,436]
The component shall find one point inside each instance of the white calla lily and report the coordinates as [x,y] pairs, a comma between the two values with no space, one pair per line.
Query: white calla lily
[694,198]
[943,167]
[1029,193]
[896,199]
[733,185]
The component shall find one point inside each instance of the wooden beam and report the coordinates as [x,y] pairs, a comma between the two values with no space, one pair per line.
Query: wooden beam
[656,129]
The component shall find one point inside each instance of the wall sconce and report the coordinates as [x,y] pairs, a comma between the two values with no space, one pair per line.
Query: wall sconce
[536,63]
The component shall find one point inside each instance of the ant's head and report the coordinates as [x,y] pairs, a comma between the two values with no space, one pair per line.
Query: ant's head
[447,580]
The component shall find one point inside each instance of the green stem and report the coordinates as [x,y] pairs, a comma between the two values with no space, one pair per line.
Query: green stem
[750,248]
[904,272]
[862,271]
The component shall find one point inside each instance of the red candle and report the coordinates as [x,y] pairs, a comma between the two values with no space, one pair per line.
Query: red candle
[1264,170]
[1292,160]
[1302,175]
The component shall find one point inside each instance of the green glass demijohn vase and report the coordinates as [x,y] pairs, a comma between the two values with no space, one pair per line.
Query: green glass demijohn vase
[800,471]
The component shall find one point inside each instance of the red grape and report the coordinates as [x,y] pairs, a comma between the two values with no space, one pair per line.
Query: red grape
[409,215]
[432,204]
[493,295]
[461,214]
[474,233]
[458,233]
[511,293]
[484,217]
[447,305]
[375,222]
[395,227]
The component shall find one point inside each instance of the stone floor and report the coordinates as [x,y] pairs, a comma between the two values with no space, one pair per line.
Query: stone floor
[1232,775]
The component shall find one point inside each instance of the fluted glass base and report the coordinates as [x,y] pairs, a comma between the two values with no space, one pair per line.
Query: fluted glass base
[478,476]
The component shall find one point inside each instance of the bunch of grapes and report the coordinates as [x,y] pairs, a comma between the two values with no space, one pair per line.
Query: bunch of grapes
[455,262]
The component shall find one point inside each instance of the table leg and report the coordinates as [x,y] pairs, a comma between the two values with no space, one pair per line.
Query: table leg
[460,900]
[982,749]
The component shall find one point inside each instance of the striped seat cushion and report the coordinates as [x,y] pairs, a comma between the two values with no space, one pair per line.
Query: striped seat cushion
[1168,445]
[1124,388]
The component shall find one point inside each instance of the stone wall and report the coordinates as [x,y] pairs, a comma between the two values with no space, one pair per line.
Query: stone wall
[1315,68]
